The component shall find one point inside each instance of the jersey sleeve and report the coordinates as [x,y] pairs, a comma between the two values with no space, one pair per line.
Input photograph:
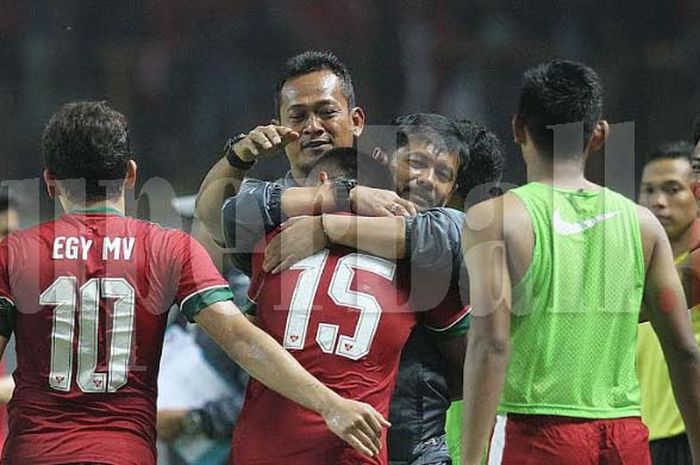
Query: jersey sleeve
[426,254]
[199,283]
[450,318]
[248,216]
[7,305]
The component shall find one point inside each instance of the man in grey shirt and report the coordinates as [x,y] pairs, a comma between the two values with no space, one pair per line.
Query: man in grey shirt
[317,112]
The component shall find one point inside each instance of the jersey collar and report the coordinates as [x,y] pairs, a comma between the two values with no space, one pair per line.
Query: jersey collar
[102,209]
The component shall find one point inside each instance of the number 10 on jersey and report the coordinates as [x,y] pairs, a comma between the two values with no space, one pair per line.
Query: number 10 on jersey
[61,294]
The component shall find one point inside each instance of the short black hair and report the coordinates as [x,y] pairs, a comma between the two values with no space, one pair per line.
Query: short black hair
[559,92]
[351,164]
[486,158]
[436,128]
[696,130]
[310,61]
[676,149]
[86,145]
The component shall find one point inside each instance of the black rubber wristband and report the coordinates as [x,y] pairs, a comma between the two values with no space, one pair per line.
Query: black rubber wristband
[231,156]
[343,186]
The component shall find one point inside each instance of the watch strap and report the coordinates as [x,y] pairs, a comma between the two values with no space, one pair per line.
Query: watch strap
[230,154]
[343,186]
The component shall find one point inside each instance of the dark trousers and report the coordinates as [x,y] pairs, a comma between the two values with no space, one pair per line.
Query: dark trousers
[671,451]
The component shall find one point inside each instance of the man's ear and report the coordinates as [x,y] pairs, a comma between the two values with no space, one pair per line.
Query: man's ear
[50,181]
[601,131]
[519,132]
[323,178]
[131,171]
[695,189]
[357,115]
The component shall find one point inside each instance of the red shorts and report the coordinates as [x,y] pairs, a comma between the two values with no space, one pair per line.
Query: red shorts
[550,440]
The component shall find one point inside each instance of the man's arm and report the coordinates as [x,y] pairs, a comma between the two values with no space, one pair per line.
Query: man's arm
[357,423]
[390,237]
[248,216]
[668,312]
[221,182]
[205,298]
[430,243]
[304,235]
[366,201]
[384,237]
[224,180]
[488,348]
[398,237]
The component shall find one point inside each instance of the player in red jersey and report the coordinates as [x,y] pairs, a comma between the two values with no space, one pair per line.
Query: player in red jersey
[87,297]
[345,316]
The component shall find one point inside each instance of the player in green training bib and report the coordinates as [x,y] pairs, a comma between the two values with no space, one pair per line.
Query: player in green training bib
[559,270]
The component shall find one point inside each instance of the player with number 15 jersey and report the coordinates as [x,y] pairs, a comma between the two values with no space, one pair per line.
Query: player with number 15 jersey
[345,316]
[87,297]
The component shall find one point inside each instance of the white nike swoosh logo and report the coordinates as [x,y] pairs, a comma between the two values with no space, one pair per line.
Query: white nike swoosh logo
[565,228]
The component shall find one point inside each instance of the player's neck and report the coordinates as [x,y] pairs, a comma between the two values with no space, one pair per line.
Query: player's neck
[685,240]
[298,175]
[117,204]
[568,174]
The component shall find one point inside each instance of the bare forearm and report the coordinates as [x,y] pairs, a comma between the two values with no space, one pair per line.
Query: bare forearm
[299,201]
[384,237]
[484,376]
[684,370]
[221,182]
[265,360]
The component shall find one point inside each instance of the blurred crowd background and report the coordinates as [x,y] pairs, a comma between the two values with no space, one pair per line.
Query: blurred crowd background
[190,73]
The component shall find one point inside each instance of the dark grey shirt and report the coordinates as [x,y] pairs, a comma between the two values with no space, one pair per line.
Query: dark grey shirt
[250,214]
[418,410]
[421,398]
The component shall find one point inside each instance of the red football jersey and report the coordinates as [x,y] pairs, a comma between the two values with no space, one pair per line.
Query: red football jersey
[344,316]
[87,296]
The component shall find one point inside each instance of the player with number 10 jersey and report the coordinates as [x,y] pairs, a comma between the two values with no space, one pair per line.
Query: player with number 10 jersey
[87,297]
[345,316]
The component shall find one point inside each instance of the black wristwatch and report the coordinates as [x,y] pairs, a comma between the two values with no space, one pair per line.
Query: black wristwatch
[343,186]
[231,156]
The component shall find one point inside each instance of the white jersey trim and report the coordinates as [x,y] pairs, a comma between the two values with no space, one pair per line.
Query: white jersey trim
[498,441]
